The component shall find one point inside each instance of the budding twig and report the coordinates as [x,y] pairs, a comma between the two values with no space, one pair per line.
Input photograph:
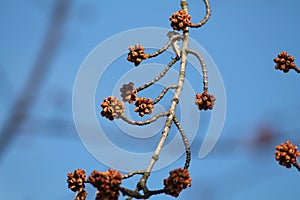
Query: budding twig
[133,173]
[203,65]
[185,141]
[162,94]
[297,166]
[162,74]
[164,48]
[137,195]
[103,180]
[175,100]
[206,18]
[141,123]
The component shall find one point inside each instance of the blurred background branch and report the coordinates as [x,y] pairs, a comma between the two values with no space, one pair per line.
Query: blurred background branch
[42,65]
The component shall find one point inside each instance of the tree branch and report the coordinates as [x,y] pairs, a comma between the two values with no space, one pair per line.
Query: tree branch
[162,74]
[162,94]
[186,143]
[141,123]
[133,173]
[164,48]
[206,18]
[203,65]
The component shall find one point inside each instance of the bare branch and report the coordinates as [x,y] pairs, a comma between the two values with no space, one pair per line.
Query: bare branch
[162,74]
[141,123]
[297,70]
[133,173]
[297,166]
[162,94]
[185,141]
[164,48]
[203,65]
[174,102]
[137,195]
[206,18]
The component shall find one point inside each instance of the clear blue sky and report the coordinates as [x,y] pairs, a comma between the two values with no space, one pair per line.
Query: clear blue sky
[242,37]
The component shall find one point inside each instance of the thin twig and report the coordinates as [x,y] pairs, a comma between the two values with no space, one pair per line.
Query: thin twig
[141,123]
[162,94]
[203,65]
[186,143]
[297,166]
[162,74]
[174,102]
[133,173]
[137,195]
[206,18]
[164,48]
[297,69]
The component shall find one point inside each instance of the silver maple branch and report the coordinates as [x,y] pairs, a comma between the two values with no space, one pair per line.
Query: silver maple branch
[206,18]
[130,174]
[145,122]
[203,65]
[162,94]
[164,48]
[142,183]
[162,74]
[186,143]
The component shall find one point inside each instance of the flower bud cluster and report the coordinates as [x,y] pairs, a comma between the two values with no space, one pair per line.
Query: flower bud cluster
[107,184]
[144,106]
[286,154]
[205,101]
[136,54]
[180,20]
[178,180]
[284,62]
[112,108]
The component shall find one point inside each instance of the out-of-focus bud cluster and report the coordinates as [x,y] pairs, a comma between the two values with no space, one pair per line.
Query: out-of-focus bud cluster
[107,184]
[76,180]
[144,106]
[284,62]
[128,93]
[205,101]
[136,54]
[112,108]
[286,154]
[178,180]
[180,20]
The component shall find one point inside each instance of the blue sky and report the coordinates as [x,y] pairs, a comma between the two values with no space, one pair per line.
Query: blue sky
[242,37]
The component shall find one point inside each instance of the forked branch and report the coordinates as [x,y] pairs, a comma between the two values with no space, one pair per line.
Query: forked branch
[162,94]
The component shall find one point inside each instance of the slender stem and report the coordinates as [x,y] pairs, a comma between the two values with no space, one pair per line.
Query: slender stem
[131,193]
[162,94]
[206,18]
[137,195]
[203,65]
[164,48]
[141,123]
[174,102]
[162,74]
[186,143]
[131,174]
[297,69]
[297,166]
